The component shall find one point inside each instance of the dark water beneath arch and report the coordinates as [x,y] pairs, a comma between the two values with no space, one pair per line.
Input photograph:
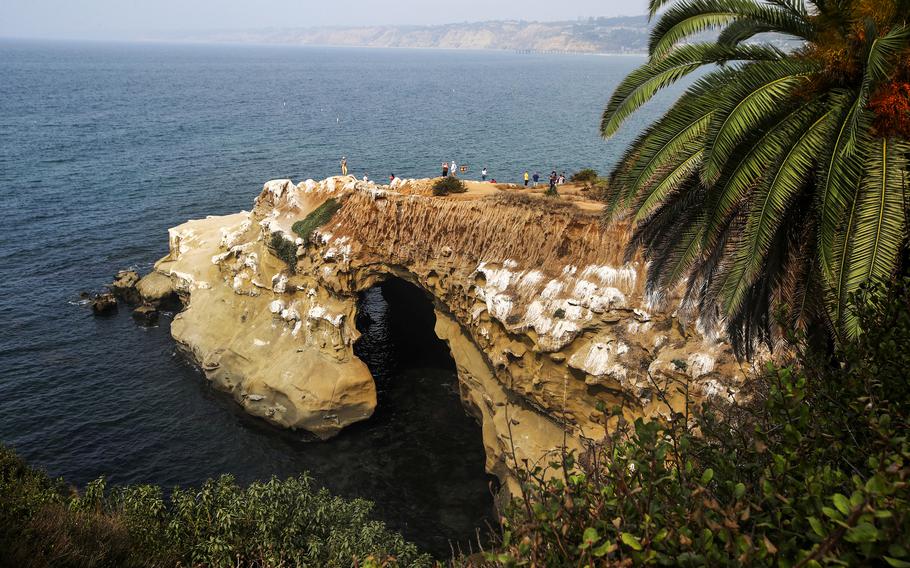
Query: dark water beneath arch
[105,146]
[432,454]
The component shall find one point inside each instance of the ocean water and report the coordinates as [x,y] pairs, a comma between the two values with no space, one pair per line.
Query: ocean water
[104,146]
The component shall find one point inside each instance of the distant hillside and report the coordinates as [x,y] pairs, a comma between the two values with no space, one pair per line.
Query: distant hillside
[594,35]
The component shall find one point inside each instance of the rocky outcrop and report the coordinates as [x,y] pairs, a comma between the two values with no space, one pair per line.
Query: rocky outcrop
[156,289]
[146,315]
[547,325]
[124,286]
[103,304]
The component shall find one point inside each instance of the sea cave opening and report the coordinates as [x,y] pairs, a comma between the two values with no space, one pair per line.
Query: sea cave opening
[433,445]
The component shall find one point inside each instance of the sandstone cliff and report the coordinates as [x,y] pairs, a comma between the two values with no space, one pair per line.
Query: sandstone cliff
[625,34]
[545,322]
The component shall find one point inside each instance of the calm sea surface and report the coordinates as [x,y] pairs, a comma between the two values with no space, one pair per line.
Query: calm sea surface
[105,146]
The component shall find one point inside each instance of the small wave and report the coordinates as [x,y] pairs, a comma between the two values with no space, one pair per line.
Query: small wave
[57,161]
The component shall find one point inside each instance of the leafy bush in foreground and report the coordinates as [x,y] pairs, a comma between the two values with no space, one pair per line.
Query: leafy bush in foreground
[813,471]
[447,185]
[269,524]
[317,218]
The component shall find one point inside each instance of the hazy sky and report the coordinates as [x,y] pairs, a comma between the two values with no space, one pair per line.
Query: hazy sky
[118,19]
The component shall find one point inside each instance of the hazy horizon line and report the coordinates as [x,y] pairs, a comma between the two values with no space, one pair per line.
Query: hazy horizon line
[158,36]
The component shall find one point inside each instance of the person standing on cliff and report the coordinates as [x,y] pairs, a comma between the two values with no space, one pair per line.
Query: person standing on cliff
[445,169]
[344,166]
[483,174]
[527,178]
[536,178]
[454,168]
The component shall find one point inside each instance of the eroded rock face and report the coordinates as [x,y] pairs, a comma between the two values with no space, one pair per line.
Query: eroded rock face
[545,322]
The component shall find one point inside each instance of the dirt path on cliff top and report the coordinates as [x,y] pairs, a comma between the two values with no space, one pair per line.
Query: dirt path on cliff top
[568,193]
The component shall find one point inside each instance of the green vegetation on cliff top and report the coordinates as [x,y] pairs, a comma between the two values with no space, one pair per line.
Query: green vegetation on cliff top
[317,218]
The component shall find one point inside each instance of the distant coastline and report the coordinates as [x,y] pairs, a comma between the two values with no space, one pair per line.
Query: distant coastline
[603,36]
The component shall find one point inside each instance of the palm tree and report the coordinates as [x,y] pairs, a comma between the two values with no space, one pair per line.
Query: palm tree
[777,183]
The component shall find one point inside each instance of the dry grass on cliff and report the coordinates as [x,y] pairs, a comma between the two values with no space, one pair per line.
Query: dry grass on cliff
[537,200]
[538,233]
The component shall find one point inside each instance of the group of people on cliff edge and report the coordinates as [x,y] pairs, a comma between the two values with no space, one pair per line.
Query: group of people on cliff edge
[452,168]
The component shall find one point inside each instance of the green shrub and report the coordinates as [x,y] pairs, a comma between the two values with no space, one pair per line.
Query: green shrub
[267,524]
[317,218]
[813,471]
[447,185]
[285,250]
[585,177]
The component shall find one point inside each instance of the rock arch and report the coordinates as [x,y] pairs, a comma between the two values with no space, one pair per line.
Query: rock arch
[545,322]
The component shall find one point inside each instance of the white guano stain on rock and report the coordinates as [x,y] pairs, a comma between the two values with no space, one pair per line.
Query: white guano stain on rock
[318,312]
[700,364]
[624,277]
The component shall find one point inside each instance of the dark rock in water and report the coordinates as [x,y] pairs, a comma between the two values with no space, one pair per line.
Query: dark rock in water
[146,315]
[124,286]
[104,304]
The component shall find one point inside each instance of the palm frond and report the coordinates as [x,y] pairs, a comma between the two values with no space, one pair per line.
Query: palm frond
[876,229]
[670,237]
[682,255]
[881,55]
[688,18]
[796,292]
[794,7]
[838,175]
[672,180]
[742,30]
[779,187]
[747,166]
[679,131]
[643,83]
[648,234]
[713,265]
[761,89]
[654,6]
[884,53]
[691,17]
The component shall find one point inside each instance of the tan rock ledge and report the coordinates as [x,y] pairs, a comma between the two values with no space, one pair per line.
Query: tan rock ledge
[545,321]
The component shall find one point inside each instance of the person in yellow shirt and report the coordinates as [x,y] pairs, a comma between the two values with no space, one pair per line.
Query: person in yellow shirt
[527,178]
